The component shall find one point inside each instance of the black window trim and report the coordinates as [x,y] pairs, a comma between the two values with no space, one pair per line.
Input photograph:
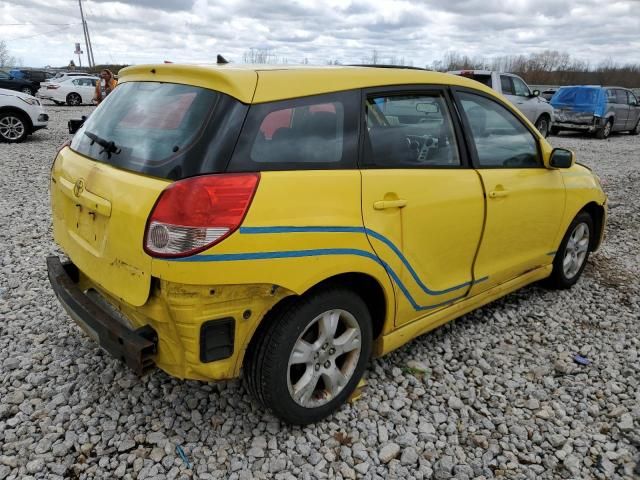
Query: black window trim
[467,129]
[404,90]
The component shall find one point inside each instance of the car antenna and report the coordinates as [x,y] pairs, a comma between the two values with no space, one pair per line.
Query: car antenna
[220,60]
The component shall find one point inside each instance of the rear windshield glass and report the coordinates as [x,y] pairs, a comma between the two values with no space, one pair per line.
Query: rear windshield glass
[483,78]
[162,129]
[577,95]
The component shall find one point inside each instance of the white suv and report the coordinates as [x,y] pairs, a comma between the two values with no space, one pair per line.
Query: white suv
[535,108]
[20,116]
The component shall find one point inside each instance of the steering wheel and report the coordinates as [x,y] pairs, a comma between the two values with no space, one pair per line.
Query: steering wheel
[419,146]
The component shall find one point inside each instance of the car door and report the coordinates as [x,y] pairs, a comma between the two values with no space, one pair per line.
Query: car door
[87,89]
[634,111]
[621,108]
[5,81]
[518,93]
[422,205]
[524,200]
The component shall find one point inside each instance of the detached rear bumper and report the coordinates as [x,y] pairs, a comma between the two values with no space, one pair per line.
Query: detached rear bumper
[136,348]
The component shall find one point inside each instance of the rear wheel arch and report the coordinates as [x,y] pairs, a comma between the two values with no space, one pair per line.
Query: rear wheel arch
[22,114]
[365,286]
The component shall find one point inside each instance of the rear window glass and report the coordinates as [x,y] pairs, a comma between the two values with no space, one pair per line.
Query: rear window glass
[577,95]
[162,129]
[483,78]
[309,133]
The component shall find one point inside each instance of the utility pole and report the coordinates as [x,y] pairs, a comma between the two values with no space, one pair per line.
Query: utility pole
[87,38]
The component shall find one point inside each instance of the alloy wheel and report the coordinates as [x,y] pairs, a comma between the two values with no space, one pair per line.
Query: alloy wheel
[543,127]
[575,252]
[324,358]
[11,128]
[74,99]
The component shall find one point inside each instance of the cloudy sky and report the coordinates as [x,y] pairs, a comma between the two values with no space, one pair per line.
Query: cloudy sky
[43,32]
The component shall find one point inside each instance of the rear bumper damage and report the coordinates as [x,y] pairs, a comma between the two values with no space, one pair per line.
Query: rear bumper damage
[136,348]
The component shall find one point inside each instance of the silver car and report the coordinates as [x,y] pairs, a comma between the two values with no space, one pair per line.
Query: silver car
[535,108]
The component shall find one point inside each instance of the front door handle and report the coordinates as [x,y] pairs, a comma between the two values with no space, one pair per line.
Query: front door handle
[383,204]
[498,193]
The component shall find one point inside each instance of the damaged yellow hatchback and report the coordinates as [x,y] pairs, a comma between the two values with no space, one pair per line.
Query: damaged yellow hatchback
[290,223]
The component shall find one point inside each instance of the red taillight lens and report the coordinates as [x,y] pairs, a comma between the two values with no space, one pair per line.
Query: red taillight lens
[194,214]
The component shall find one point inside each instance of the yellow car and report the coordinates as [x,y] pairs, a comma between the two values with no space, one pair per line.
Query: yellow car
[291,223]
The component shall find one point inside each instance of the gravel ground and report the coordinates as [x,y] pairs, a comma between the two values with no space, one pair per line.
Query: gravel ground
[493,394]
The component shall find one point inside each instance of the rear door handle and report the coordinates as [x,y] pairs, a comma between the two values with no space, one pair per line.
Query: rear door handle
[383,204]
[498,193]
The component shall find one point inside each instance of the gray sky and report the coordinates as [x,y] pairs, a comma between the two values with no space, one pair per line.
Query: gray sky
[146,31]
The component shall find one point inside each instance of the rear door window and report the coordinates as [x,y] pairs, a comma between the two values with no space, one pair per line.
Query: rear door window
[621,97]
[507,85]
[318,132]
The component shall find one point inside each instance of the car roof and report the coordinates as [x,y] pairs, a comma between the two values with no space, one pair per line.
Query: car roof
[265,83]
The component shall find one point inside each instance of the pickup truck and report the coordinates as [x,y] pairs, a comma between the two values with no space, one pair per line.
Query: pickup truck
[535,108]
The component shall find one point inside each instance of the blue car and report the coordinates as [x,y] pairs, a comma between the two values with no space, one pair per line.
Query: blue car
[595,109]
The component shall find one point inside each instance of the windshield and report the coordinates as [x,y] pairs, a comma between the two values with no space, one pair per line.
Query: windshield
[162,129]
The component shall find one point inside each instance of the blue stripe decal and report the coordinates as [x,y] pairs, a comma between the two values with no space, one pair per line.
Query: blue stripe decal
[232,257]
[367,231]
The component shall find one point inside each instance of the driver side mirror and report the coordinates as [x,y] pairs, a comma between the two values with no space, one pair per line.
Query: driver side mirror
[535,93]
[75,125]
[561,158]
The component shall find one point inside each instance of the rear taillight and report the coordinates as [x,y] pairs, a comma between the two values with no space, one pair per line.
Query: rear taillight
[194,214]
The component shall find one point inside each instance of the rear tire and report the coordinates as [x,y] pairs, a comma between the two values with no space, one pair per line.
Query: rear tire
[573,254]
[309,359]
[554,130]
[543,125]
[636,131]
[74,100]
[14,127]
[604,132]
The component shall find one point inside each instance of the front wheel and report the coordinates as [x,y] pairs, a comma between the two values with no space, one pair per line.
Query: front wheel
[572,256]
[309,360]
[605,131]
[13,127]
[543,125]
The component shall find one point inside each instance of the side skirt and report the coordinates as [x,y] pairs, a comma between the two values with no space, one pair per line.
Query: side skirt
[406,333]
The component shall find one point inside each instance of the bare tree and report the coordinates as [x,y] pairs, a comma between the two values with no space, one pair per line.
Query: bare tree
[259,56]
[6,60]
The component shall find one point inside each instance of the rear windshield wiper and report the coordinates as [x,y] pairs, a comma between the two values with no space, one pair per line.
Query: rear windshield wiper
[107,146]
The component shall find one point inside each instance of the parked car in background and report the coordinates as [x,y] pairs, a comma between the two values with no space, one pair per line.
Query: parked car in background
[70,90]
[537,110]
[9,82]
[20,115]
[548,93]
[595,109]
[36,77]
[62,76]
[221,221]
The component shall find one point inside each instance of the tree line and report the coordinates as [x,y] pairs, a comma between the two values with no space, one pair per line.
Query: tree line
[549,67]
